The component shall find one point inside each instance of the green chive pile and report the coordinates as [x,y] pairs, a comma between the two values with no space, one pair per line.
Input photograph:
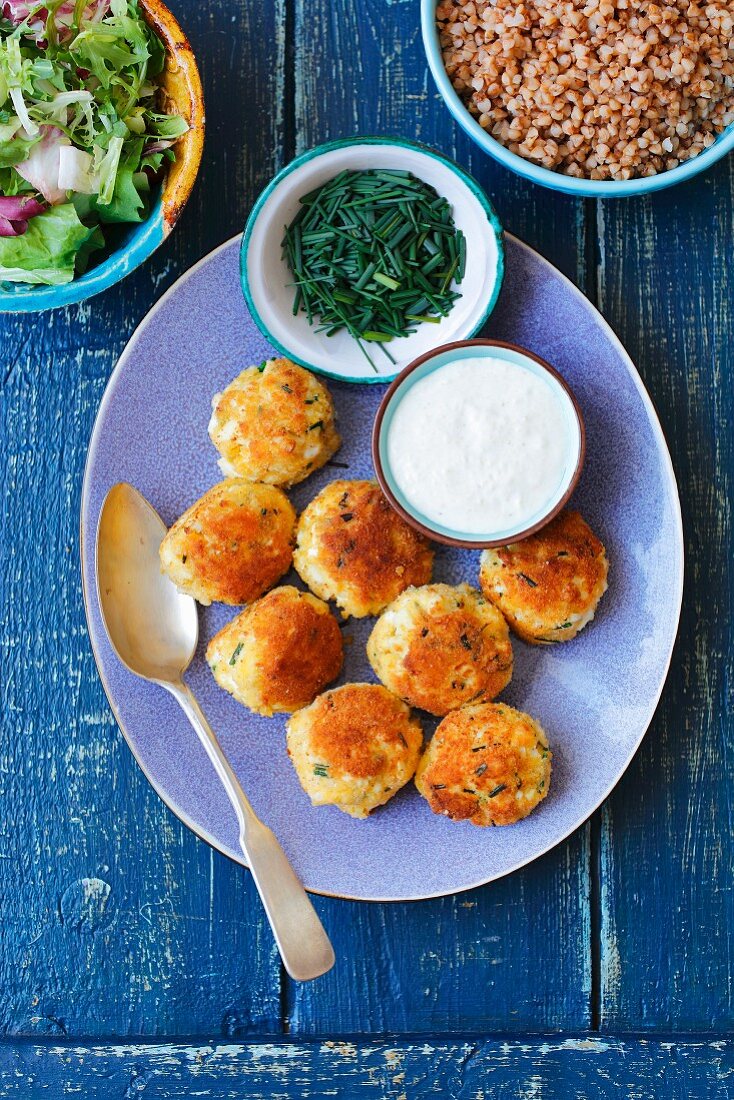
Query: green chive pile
[376,253]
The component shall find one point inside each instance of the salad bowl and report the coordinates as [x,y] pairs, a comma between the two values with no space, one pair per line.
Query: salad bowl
[181,85]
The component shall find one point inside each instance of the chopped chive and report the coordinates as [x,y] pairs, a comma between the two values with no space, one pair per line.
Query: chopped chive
[393,284]
[375,253]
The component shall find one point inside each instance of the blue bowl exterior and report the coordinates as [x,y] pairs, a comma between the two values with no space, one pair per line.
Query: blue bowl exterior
[340,143]
[556,181]
[142,241]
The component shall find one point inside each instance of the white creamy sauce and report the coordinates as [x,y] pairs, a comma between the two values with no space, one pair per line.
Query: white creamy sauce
[480,445]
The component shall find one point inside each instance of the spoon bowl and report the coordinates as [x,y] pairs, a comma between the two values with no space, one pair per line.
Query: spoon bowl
[152,625]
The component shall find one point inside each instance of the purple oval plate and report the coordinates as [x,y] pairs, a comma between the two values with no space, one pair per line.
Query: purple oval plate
[595,696]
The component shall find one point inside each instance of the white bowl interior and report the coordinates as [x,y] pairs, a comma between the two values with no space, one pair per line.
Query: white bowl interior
[339,356]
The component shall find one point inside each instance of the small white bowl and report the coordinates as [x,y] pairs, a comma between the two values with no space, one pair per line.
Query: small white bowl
[451,353]
[265,273]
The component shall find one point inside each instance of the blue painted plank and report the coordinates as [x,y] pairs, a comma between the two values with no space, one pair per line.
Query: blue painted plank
[574,1068]
[116,920]
[667,921]
[515,954]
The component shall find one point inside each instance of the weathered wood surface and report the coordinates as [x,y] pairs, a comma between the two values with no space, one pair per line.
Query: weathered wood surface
[573,1068]
[461,963]
[116,921]
[667,284]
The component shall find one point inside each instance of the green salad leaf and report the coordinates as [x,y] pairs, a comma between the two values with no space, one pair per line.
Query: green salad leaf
[15,150]
[13,184]
[47,251]
[126,203]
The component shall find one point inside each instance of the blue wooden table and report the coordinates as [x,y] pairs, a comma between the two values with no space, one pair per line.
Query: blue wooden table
[136,961]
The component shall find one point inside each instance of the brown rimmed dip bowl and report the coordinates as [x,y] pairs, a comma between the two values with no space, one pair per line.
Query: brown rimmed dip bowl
[436,359]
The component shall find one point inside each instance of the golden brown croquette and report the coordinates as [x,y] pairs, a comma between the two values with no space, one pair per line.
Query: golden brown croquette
[549,585]
[440,647]
[274,423]
[354,747]
[278,653]
[232,545]
[489,764]
[354,549]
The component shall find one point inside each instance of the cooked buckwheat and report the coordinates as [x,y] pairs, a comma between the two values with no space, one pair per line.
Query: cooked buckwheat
[601,89]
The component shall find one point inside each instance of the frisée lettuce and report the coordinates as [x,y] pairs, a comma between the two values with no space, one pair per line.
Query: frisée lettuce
[84,130]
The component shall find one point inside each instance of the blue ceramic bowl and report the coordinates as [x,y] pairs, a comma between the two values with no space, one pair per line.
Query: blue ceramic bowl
[556,181]
[183,89]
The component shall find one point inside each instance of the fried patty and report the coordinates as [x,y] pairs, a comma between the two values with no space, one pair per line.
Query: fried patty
[354,747]
[549,585]
[440,647]
[232,545]
[279,653]
[354,549]
[489,764]
[274,423]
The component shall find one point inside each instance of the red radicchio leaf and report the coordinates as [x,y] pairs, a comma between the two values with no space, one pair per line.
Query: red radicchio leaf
[12,229]
[15,212]
[17,207]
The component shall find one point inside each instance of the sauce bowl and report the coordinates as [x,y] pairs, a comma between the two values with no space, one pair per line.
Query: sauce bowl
[565,406]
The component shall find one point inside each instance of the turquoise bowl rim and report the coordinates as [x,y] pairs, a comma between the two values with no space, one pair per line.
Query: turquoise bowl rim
[423,366]
[342,143]
[141,243]
[599,189]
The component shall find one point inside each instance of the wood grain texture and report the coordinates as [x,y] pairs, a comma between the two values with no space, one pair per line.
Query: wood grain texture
[360,68]
[666,284]
[116,920]
[513,955]
[574,1068]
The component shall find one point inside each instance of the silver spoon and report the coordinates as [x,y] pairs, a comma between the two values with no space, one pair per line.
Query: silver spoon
[154,629]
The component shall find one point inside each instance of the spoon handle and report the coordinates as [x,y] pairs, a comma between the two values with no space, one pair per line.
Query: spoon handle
[303,944]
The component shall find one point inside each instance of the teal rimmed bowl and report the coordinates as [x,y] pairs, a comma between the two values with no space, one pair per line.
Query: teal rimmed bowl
[182,87]
[556,181]
[266,277]
[456,352]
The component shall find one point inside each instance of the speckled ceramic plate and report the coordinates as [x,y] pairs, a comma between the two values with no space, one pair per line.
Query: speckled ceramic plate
[595,696]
